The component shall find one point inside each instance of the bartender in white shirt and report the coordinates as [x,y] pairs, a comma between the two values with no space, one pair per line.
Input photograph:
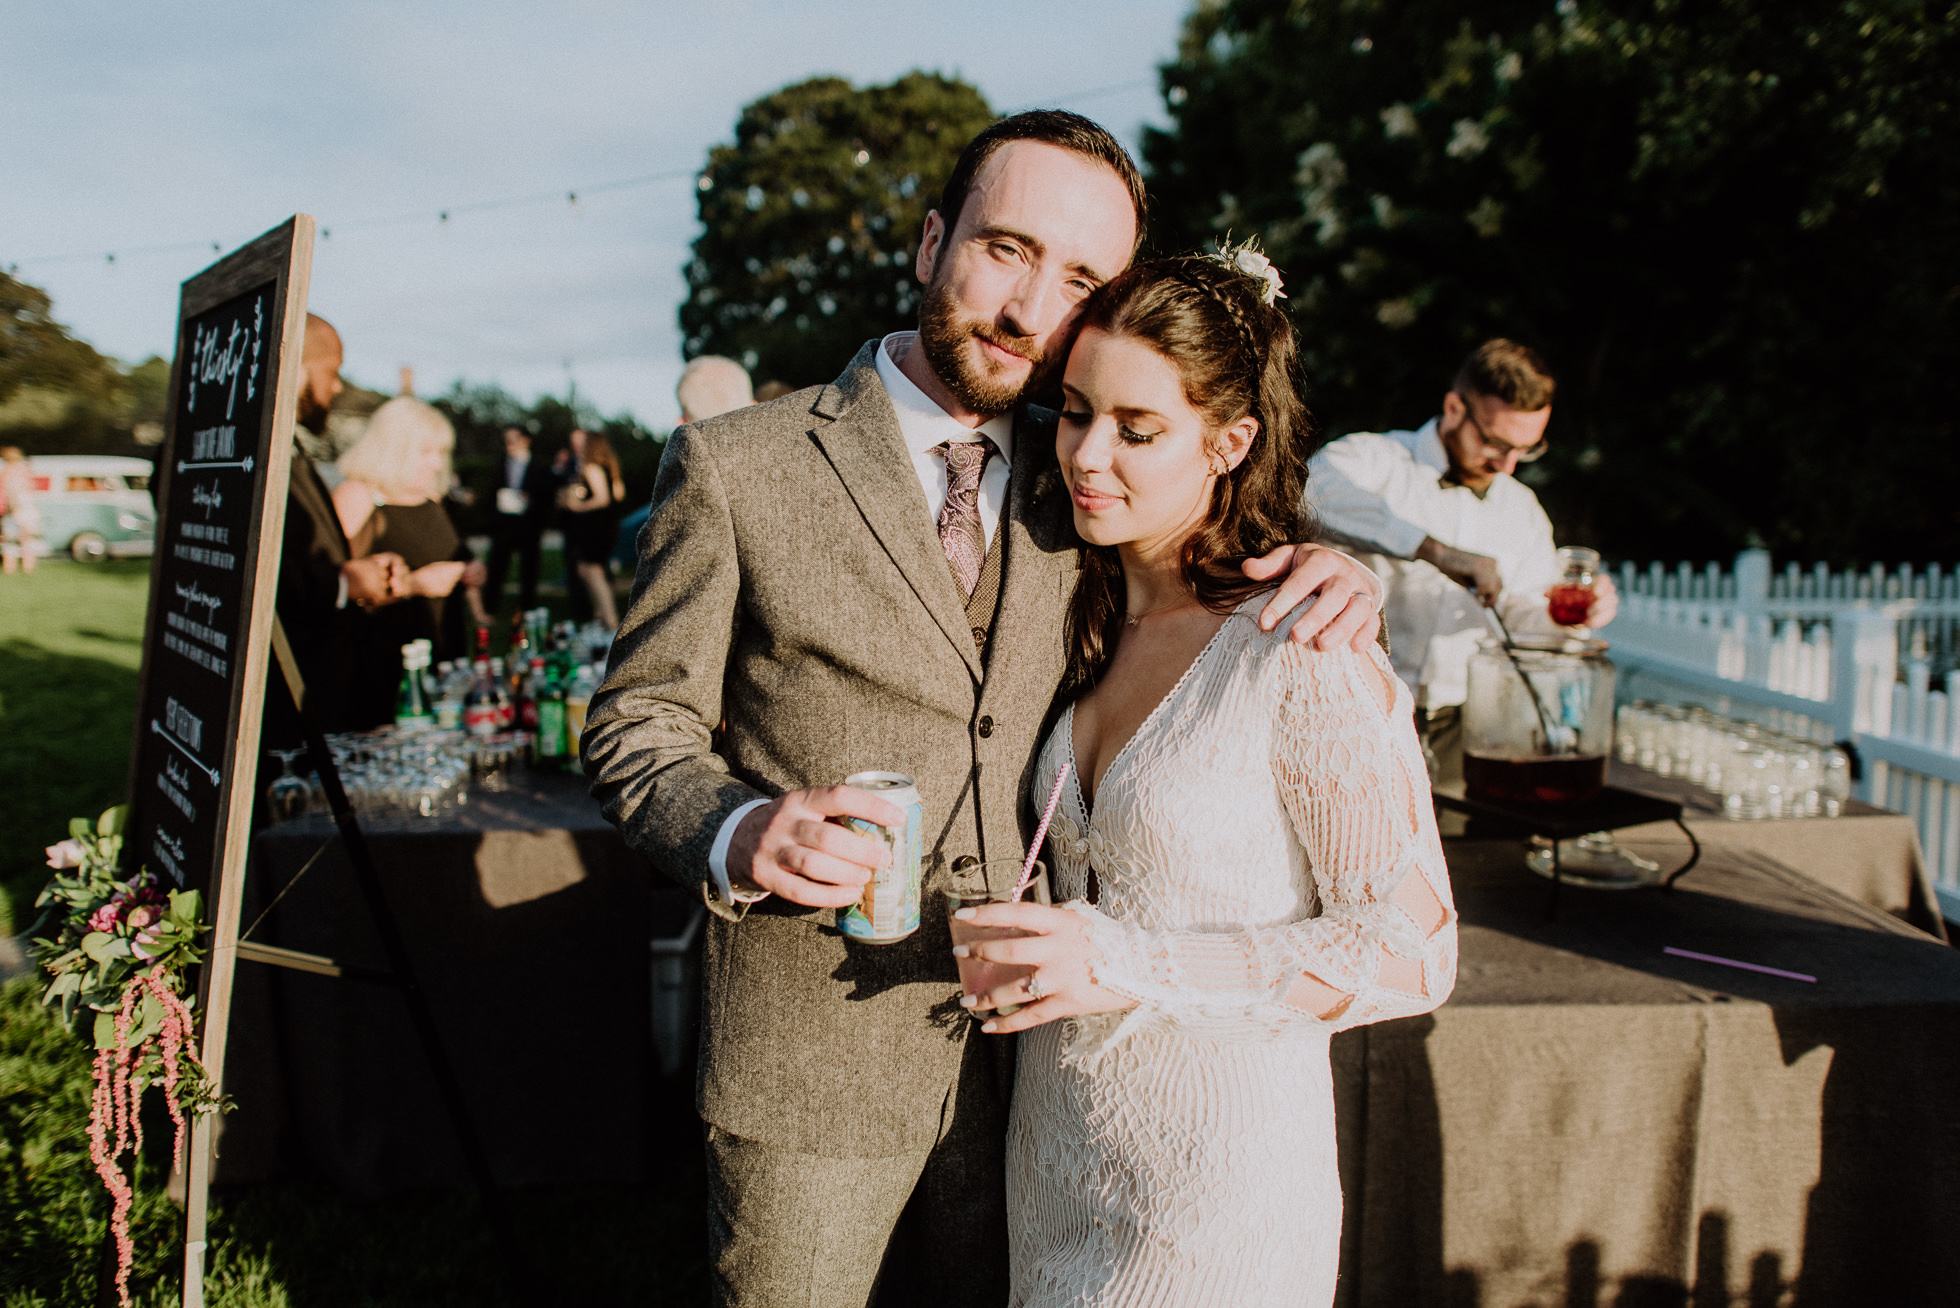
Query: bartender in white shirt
[1452,530]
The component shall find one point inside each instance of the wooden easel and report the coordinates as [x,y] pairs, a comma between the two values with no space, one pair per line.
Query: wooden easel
[221,494]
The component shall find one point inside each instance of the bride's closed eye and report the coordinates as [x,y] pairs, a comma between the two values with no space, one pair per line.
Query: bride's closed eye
[1073,419]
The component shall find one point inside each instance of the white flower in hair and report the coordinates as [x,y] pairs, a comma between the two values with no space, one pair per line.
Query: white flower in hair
[1249,261]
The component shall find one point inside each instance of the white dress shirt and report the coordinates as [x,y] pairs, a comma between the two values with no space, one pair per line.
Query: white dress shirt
[1384,492]
[923,425]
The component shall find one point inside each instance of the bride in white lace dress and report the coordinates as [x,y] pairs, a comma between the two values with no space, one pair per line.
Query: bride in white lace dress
[1245,840]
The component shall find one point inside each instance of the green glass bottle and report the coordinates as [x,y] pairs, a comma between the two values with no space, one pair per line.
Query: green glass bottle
[553,743]
[412,711]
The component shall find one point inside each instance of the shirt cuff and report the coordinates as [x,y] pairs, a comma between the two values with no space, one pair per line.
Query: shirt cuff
[718,858]
[340,599]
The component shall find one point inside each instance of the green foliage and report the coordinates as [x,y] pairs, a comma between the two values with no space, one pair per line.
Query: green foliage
[812,217]
[1733,228]
[58,395]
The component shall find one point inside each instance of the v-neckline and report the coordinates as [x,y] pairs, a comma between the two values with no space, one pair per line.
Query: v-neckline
[1082,800]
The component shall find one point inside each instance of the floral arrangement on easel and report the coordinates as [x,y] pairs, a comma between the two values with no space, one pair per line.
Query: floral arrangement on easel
[119,949]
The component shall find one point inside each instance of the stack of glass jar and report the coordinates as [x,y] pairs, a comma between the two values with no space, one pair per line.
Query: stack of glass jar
[1756,772]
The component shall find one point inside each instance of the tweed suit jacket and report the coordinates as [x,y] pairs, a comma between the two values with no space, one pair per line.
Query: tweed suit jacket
[792,587]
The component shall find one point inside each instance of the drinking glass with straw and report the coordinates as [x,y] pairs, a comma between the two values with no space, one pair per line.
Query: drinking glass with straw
[974,885]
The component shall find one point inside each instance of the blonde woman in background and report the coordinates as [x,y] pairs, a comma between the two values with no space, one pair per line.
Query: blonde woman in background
[390,500]
[20,511]
[591,499]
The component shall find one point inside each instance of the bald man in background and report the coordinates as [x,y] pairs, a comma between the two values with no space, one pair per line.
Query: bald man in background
[323,590]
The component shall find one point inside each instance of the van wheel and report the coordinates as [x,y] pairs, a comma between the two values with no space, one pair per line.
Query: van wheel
[87,547]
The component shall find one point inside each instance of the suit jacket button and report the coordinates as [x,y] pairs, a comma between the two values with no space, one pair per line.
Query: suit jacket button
[980,637]
[963,862]
[986,727]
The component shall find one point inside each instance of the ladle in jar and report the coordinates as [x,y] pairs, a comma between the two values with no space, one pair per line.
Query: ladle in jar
[1557,740]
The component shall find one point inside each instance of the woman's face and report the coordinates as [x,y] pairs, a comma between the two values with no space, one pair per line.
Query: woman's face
[428,467]
[578,442]
[1133,449]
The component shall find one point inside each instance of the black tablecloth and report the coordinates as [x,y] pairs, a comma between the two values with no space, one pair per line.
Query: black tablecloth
[528,921]
[1592,1120]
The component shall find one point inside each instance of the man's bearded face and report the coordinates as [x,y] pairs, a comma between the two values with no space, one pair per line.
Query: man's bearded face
[948,337]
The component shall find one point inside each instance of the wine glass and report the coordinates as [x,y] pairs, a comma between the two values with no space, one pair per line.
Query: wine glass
[288,798]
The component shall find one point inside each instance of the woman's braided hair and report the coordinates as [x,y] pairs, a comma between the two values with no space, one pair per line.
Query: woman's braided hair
[1238,356]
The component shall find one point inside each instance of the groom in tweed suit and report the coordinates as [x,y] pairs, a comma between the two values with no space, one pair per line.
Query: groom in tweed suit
[872,575]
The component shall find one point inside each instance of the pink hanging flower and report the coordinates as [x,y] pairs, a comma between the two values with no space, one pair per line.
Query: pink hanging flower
[66,854]
[104,918]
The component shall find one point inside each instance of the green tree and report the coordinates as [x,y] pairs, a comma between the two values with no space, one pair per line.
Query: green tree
[811,220]
[58,395]
[1734,228]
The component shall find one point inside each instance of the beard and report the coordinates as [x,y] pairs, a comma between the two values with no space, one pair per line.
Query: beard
[944,333]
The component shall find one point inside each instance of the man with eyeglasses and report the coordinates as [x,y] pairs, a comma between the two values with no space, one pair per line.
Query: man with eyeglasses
[1452,529]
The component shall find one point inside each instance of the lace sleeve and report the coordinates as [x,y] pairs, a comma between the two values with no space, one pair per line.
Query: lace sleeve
[1352,777]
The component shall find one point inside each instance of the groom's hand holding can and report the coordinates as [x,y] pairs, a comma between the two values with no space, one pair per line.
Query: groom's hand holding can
[791,847]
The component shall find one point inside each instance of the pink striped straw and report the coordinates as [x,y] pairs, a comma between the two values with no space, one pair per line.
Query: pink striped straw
[1041,833]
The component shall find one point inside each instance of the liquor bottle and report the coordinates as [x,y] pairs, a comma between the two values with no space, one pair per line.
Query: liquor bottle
[412,711]
[527,694]
[552,745]
[483,642]
[480,704]
[506,709]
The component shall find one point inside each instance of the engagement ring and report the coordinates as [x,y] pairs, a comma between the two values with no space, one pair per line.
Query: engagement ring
[1035,991]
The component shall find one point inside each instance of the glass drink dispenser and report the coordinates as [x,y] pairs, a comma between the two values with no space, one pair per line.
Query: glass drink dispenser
[1538,721]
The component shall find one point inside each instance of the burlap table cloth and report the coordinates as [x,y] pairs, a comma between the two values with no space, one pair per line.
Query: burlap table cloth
[1870,854]
[1590,1120]
[528,921]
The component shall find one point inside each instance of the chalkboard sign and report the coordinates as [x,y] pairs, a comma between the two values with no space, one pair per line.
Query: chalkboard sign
[221,503]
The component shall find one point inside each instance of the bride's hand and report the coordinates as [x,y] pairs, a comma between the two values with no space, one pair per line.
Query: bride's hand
[1057,953]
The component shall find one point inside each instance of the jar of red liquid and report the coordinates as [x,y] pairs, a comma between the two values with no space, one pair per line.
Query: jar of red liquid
[1572,595]
[1537,720]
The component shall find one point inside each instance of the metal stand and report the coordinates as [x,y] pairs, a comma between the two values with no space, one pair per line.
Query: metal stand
[400,975]
[1613,810]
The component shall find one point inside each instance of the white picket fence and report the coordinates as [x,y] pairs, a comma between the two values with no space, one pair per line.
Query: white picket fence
[1870,658]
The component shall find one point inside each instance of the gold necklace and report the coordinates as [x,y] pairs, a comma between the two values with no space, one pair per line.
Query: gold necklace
[1131,619]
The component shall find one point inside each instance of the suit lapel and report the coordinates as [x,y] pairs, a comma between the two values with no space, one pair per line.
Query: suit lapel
[1039,565]
[863,445]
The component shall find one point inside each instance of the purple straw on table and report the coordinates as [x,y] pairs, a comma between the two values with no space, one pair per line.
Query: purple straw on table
[1041,833]
[1731,962]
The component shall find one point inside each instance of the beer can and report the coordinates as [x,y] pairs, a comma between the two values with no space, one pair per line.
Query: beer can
[889,911]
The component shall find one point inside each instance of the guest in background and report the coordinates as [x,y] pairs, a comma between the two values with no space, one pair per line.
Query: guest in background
[521,502]
[1450,529]
[591,500]
[709,387]
[390,500]
[20,511]
[712,385]
[326,594]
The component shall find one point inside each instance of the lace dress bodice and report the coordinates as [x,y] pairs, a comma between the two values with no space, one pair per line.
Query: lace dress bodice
[1260,828]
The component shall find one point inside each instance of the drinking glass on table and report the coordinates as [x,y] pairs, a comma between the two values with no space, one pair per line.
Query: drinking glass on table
[971,886]
[1571,596]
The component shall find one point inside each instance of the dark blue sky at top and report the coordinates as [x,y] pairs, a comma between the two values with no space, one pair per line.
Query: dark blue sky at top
[135,126]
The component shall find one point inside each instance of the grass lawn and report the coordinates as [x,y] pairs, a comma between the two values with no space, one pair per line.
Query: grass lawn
[69,653]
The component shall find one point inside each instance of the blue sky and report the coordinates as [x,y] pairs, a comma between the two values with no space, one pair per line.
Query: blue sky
[133,126]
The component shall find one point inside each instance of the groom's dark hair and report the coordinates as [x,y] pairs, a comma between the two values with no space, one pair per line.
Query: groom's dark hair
[1057,127]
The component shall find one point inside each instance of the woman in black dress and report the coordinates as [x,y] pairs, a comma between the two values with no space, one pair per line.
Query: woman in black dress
[390,499]
[591,499]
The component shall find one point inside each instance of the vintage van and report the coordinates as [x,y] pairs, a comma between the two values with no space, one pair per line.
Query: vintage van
[94,506]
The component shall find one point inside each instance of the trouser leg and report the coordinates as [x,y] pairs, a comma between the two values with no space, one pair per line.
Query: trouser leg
[795,1230]
[950,1248]
[527,571]
[498,569]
